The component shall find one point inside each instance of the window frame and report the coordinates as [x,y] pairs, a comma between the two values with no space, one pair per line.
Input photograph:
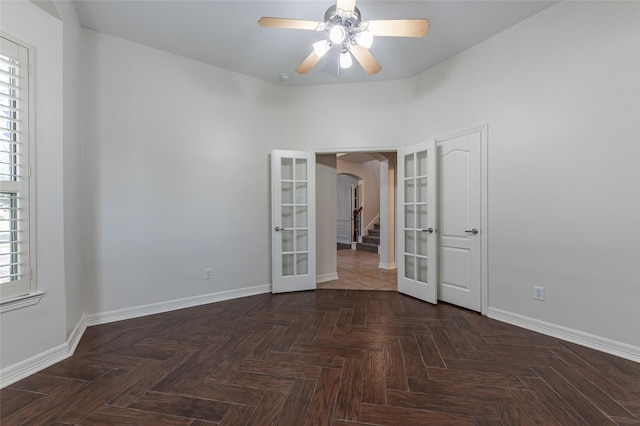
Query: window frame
[32,294]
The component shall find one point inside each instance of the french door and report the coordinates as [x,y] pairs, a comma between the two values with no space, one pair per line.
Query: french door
[293,220]
[417,248]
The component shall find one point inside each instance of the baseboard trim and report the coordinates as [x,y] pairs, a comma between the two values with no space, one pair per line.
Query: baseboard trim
[29,366]
[326,277]
[383,265]
[173,305]
[39,362]
[76,334]
[613,347]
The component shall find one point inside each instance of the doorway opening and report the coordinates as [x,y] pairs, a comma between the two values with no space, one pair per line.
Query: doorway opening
[364,226]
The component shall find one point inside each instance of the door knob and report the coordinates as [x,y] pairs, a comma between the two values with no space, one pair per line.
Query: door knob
[278,229]
[429,230]
[473,231]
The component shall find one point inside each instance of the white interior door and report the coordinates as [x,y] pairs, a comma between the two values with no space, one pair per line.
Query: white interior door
[293,221]
[460,196]
[344,219]
[417,233]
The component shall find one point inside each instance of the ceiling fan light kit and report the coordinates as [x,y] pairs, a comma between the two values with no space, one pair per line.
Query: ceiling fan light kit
[343,26]
[321,47]
[345,59]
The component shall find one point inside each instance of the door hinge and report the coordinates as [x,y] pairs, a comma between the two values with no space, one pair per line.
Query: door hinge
[30,274]
[28,67]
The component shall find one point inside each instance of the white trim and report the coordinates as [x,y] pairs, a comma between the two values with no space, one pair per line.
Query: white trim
[20,302]
[172,305]
[613,347]
[32,196]
[355,149]
[326,277]
[370,224]
[383,265]
[76,334]
[29,366]
[484,263]
[39,362]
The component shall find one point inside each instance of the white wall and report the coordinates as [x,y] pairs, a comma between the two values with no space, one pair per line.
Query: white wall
[346,116]
[71,162]
[176,157]
[31,331]
[387,211]
[326,214]
[560,92]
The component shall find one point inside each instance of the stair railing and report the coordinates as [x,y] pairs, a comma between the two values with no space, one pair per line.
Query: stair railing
[370,225]
[356,213]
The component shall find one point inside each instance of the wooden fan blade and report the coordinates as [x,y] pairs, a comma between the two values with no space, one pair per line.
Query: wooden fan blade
[399,27]
[308,63]
[366,59]
[346,5]
[296,24]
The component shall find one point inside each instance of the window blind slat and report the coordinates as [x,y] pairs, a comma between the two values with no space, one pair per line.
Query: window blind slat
[6,129]
[10,74]
[9,85]
[9,60]
[9,97]
[8,108]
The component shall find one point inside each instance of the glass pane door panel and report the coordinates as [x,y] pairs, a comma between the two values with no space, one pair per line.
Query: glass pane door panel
[409,191]
[287,193]
[301,193]
[287,241]
[422,269]
[421,217]
[302,240]
[409,242]
[302,264]
[301,169]
[288,265]
[421,190]
[287,217]
[286,169]
[421,248]
[421,162]
[409,217]
[409,267]
[409,165]
[301,217]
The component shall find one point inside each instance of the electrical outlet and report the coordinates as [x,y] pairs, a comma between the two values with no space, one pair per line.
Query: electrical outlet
[538,292]
[208,274]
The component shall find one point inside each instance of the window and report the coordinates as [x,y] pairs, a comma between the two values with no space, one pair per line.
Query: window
[15,238]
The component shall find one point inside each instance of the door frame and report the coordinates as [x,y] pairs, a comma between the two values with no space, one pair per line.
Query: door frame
[483,129]
[484,188]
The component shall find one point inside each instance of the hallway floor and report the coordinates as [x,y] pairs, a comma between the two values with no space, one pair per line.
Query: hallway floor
[358,270]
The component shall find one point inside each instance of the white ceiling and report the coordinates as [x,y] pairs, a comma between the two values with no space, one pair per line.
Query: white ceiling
[226,33]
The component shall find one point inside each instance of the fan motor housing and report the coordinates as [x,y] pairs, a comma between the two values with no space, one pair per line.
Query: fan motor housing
[332,17]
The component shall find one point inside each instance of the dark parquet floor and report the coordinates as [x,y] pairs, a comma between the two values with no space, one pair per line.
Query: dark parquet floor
[325,357]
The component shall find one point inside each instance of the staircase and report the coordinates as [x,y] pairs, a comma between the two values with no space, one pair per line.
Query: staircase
[371,241]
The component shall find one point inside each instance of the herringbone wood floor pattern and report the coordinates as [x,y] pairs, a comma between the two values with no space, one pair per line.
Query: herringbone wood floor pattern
[325,357]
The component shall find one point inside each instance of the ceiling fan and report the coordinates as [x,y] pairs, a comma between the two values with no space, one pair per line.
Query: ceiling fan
[345,28]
